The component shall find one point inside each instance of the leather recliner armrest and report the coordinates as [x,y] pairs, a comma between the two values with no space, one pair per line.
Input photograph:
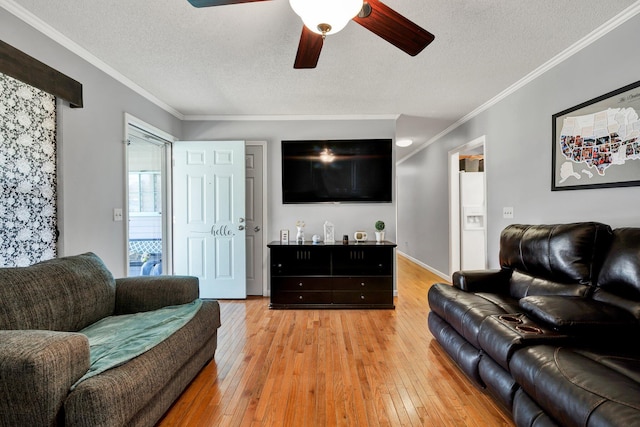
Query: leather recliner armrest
[37,369]
[147,293]
[496,281]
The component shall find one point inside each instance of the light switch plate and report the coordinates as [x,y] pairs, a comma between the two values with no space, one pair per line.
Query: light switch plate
[117,214]
[507,212]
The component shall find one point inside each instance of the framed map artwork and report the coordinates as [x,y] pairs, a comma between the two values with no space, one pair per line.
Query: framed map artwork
[597,144]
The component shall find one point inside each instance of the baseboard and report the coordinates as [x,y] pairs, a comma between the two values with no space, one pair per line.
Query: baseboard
[425,266]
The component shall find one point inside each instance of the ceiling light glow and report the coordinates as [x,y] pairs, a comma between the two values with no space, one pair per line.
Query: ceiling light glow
[326,16]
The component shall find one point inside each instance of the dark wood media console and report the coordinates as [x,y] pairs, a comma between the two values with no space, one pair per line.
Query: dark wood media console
[335,275]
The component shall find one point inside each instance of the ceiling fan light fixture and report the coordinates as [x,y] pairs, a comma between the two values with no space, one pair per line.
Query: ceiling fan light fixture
[326,17]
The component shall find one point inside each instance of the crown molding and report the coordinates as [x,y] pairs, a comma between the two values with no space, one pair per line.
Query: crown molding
[590,38]
[35,22]
[286,117]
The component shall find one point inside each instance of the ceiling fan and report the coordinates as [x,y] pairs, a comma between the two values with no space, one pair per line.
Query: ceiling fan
[325,17]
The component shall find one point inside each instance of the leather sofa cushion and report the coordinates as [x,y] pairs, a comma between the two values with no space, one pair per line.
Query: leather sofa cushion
[619,280]
[522,285]
[526,413]
[565,253]
[620,273]
[580,388]
[465,311]
[578,315]
[466,356]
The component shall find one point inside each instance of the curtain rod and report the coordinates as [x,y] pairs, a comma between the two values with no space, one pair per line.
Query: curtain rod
[27,69]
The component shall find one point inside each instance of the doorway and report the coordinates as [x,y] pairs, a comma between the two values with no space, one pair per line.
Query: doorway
[467,206]
[256,197]
[148,207]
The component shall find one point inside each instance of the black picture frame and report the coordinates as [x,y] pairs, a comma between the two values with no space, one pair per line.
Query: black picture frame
[601,139]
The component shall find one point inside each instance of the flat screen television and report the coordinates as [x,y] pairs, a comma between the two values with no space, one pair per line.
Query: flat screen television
[334,171]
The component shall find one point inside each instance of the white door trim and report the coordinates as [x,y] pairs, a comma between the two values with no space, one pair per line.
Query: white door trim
[167,196]
[454,199]
[265,213]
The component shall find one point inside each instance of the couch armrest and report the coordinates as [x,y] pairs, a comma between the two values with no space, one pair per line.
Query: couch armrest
[496,281]
[37,369]
[146,293]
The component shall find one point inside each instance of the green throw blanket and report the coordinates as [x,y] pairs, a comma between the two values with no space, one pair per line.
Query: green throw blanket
[116,339]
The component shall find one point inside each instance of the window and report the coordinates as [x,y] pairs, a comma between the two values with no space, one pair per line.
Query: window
[145,192]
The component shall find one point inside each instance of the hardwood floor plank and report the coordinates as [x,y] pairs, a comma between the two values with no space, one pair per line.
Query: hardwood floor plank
[333,368]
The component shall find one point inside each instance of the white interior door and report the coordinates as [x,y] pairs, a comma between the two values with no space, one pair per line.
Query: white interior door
[254,213]
[209,216]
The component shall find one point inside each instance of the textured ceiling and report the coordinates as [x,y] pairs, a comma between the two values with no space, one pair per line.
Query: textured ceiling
[237,60]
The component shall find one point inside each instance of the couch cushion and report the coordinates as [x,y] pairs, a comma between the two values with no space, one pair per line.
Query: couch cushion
[465,311]
[619,279]
[578,387]
[564,253]
[117,396]
[63,294]
[522,285]
[466,356]
[577,315]
[526,413]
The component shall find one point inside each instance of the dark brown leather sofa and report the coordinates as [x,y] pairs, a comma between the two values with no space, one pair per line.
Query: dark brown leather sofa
[553,334]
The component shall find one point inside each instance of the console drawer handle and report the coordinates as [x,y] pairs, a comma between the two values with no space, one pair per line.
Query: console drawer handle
[362,284]
[300,297]
[362,297]
[300,284]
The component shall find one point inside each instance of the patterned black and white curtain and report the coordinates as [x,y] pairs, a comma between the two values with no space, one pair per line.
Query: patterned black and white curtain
[28,220]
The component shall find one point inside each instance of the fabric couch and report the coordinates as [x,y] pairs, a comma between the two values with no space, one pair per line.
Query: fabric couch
[43,354]
[553,334]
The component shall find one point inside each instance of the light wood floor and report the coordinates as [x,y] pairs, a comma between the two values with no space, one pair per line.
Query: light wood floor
[333,368]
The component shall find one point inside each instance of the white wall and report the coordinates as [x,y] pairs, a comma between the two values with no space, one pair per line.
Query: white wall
[518,162]
[90,147]
[347,218]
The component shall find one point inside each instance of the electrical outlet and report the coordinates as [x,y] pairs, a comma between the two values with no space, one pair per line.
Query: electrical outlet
[507,212]
[117,214]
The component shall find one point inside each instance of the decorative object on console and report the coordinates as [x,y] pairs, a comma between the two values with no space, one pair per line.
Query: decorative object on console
[315,238]
[360,236]
[329,236]
[379,226]
[300,234]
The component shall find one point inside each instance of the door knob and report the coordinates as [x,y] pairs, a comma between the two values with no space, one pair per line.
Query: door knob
[256,228]
[241,227]
[240,220]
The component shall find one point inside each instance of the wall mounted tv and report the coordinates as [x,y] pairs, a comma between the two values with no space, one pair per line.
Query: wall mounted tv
[337,171]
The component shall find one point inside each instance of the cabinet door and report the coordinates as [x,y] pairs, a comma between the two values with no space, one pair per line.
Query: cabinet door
[300,261]
[365,260]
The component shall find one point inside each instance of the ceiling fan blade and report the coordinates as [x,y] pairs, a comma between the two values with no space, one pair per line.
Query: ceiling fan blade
[308,49]
[393,27]
[207,3]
